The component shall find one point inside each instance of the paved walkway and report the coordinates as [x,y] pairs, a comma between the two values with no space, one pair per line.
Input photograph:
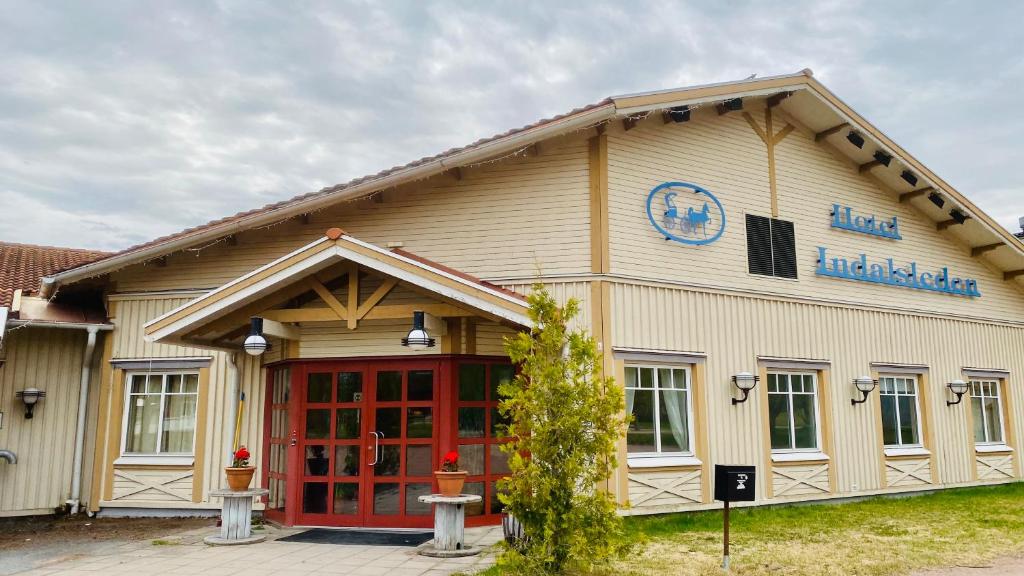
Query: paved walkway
[185,554]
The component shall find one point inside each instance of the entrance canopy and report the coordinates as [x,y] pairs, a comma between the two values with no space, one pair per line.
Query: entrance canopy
[337,278]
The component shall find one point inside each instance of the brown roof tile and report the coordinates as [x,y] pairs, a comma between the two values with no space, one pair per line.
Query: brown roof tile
[22,265]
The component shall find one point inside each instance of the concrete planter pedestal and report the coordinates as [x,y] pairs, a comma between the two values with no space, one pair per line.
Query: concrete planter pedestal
[236,517]
[449,525]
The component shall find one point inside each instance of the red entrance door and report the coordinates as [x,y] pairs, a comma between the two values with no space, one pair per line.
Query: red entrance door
[366,441]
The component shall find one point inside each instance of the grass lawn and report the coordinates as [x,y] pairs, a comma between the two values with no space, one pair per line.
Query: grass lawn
[872,537]
[880,536]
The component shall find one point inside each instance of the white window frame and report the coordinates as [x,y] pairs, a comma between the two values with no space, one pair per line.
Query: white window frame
[998,385]
[661,458]
[128,457]
[792,425]
[917,408]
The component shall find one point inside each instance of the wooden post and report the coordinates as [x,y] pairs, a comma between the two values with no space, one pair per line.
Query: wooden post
[725,548]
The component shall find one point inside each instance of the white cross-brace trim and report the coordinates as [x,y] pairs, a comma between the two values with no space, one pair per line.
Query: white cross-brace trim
[993,467]
[916,469]
[660,486]
[145,484]
[798,477]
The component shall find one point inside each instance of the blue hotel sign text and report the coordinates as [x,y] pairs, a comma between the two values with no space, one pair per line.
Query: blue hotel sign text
[888,273]
[844,218]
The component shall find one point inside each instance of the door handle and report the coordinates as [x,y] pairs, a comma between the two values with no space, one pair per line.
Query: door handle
[376,449]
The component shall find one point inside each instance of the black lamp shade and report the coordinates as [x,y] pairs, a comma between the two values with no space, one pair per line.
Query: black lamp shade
[418,338]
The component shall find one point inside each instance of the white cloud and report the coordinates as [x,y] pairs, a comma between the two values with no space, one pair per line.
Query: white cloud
[123,121]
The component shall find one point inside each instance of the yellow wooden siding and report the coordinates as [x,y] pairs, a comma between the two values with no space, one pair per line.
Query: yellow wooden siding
[562,291]
[904,472]
[490,338]
[724,155]
[129,316]
[508,218]
[733,331]
[153,485]
[51,360]
[664,489]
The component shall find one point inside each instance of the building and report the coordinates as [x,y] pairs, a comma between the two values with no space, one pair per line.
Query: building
[755,233]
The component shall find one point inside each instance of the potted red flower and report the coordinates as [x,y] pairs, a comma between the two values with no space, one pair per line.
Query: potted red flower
[240,472]
[449,478]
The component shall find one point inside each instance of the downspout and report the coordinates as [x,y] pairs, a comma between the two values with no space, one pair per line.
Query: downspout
[233,387]
[83,404]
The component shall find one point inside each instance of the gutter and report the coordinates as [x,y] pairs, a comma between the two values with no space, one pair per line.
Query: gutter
[83,404]
[48,284]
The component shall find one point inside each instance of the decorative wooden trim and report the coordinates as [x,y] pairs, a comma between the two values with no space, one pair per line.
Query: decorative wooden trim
[876,406]
[766,441]
[770,139]
[1013,274]
[868,166]
[381,312]
[924,396]
[776,99]
[698,389]
[470,331]
[114,430]
[353,295]
[598,168]
[375,298]
[830,131]
[908,196]
[199,447]
[622,454]
[827,439]
[965,405]
[332,302]
[979,250]
[1010,421]
[948,223]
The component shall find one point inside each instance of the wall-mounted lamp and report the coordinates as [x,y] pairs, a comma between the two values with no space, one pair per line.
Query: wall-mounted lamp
[864,384]
[959,388]
[418,339]
[255,344]
[30,396]
[855,139]
[745,382]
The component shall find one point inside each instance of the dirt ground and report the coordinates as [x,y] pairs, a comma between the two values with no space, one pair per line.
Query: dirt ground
[29,542]
[20,533]
[1000,567]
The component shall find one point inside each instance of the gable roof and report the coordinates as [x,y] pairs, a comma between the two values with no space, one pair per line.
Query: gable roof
[815,106]
[461,289]
[23,265]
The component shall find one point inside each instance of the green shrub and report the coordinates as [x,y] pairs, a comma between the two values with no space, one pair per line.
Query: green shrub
[565,422]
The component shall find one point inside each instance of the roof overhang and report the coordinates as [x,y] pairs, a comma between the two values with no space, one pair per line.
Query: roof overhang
[829,108]
[492,302]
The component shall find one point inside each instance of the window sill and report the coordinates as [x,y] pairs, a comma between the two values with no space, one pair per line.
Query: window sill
[662,461]
[894,452]
[989,448]
[154,460]
[799,457]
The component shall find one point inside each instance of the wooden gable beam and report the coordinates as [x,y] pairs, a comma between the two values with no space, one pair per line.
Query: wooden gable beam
[279,330]
[337,307]
[353,294]
[868,166]
[826,133]
[908,196]
[375,298]
[948,223]
[979,250]
[1013,274]
[381,312]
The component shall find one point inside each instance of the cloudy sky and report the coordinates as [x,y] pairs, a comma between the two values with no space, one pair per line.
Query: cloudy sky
[123,121]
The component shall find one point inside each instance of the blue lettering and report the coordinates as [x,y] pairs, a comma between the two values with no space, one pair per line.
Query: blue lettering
[861,270]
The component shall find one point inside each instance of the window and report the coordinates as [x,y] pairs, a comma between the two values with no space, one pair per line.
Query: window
[480,430]
[659,400]
[771,247]
[161,416]
[987,412]
[793,411]
[900,412]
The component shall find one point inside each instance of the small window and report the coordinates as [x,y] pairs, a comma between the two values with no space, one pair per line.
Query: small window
[901,426]
[771,247]
[658,398]
[987,412]
[793,411]
[161,415]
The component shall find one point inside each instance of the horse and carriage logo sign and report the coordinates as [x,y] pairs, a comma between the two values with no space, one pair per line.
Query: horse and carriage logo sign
[686,213]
